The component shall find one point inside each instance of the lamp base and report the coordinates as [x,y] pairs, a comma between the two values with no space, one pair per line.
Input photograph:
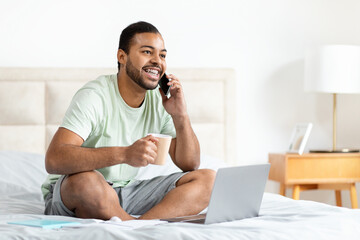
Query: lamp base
[344,150]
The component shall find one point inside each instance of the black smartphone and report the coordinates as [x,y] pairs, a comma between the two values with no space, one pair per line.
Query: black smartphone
[163,84]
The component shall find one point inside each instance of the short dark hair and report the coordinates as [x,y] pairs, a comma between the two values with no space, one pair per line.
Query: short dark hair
[129,32]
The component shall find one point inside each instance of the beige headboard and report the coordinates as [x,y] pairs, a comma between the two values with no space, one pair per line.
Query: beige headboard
[33,102]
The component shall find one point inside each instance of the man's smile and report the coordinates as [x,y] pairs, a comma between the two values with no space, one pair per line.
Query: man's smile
[152,72]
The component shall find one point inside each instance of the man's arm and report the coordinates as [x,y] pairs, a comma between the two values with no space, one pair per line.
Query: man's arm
[185,148]
[66,156]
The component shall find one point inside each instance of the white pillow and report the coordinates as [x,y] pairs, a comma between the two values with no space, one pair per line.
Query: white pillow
[21,175]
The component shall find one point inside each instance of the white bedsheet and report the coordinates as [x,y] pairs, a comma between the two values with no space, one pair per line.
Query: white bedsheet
[21,175]
[280,218]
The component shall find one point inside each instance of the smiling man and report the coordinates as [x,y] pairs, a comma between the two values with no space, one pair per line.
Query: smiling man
[95,155]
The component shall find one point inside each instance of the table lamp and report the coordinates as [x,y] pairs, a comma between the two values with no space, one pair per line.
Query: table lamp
[333,69]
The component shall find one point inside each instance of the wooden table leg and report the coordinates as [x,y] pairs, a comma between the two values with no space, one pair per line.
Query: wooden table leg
[296,192]
[353,196]
[282,189]
[338,198]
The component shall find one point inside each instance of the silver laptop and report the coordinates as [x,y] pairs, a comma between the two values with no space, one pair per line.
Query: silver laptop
[237,194]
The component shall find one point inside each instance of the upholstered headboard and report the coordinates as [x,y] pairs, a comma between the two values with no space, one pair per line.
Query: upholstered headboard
[33,102]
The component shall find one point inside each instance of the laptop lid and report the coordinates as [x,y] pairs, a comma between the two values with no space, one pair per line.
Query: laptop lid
[237,193]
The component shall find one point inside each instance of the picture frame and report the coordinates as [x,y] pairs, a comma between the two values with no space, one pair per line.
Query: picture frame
[299,137]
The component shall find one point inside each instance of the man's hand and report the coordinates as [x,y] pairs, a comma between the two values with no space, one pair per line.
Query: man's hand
[142,152]
[175,105]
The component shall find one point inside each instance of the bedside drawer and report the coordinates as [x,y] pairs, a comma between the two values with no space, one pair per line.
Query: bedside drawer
[315,168]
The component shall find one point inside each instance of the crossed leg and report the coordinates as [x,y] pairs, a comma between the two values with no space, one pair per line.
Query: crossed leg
[191,195]
[90,196]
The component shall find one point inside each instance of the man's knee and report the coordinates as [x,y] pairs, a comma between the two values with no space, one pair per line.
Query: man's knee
[200,183]
[82,182]
[82,187]
[205,177]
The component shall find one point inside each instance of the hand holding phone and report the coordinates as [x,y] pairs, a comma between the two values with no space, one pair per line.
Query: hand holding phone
[163,85]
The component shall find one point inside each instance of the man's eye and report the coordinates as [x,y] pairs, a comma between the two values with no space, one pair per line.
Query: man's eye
[162,55]
[147,52]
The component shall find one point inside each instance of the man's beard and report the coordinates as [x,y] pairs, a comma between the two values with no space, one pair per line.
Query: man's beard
[135,75]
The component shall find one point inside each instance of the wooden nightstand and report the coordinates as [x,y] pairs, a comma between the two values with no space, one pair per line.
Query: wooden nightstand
[336,171]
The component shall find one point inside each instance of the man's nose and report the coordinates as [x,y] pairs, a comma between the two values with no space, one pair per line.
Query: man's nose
[155,59]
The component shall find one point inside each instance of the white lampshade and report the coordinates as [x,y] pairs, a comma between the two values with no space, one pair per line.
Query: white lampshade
[333,69]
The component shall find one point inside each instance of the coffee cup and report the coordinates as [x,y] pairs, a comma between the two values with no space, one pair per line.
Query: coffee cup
[163,147]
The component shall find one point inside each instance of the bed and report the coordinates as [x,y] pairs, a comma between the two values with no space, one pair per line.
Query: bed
[32,104]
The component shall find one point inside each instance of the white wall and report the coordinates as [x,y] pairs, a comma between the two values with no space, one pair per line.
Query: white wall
[264,41]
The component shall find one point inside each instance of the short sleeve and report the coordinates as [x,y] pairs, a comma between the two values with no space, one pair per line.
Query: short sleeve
[168,127]
[84,113]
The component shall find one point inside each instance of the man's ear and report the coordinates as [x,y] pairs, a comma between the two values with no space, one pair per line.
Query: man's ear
[121,56]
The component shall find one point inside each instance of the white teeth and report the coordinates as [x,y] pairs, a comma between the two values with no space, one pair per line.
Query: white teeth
[152,71]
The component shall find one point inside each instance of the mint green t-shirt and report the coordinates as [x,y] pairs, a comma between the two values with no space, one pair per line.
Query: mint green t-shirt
[100,116]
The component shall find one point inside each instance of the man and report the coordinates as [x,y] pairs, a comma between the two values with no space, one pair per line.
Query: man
[102,142]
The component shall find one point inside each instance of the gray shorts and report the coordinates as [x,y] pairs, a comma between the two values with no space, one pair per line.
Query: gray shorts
[136,198]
